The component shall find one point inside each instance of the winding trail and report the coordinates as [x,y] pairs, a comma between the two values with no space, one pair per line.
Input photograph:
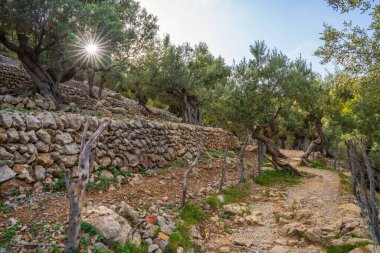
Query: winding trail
[314,204]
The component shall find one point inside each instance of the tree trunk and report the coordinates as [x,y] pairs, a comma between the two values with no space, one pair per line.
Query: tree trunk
[91,75]
[223,172]
[101,86]
[76,187]
[188,171]
[275,153]
[46,83]
[241,161]
[315,145]
[191,113]
[260,156]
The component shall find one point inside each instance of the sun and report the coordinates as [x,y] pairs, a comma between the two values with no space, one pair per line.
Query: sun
[91,48]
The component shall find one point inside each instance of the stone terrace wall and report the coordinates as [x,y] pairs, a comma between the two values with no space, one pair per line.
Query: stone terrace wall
[34,148]
[13,78]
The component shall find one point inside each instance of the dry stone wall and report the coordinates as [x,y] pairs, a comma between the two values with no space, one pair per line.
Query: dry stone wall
[34,148]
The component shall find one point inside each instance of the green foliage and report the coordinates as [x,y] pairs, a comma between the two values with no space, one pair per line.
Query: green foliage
[115,170]
[217,154]
[130,247]
[102,184]
[344,248]
[213,202]
[282,177]
[7,236]
[88,228]
[4,208]
[180,238]
[320,165]
[236,194]
[204,156]
[192,214]
[345,182]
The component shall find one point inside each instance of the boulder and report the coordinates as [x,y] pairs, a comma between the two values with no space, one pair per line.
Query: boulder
[44,136]
[32,123]
[69,160]
[24,137]
[44,159]
[63,138]
[114,227]
[48,121]
[5,120]
[6,173]
[71,149]
[106,174]
[13,135]
[5,155]
[129,213]
[105,161]
[235,208]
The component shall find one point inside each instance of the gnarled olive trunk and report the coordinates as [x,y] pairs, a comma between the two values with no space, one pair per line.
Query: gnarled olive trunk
[45,81]
[275,153]
[316,144]
[191,113]
[90,81]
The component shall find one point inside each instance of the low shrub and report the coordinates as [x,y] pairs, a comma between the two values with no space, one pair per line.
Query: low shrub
[271,177]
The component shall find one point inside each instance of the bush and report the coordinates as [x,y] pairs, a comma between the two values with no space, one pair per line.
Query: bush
[271,177]
[180,238]
[345,182]
[102,184]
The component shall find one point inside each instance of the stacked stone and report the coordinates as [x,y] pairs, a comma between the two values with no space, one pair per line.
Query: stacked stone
[35,148]
[30,103]
[12,78]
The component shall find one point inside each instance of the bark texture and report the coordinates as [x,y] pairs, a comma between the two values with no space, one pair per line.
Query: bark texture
[76,186]
[190,169]
[275,153]
[315,145]
[241,161]
[223,169]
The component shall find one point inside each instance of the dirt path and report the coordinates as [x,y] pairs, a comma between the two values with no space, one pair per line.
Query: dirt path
[293,219]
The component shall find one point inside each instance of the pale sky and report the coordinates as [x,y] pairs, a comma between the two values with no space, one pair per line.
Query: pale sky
[230,26]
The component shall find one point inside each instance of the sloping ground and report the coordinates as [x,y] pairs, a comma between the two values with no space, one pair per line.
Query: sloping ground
[274,219]
[302,218]
[14,80]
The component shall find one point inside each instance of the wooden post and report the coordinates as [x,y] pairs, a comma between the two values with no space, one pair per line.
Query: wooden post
[76,187]
[188,171]
[223,172]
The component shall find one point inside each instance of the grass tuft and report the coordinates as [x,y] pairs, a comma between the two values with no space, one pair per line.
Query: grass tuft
[233,195]
[345,182]
[213,202]
[344,248]
[192,214]
[271,177]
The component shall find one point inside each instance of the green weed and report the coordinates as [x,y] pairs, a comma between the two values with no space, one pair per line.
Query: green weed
[344,248]
[192,214]
[345,182]
[320,165]
[102,184]
[180,238]
[213,202]
[271,177]
[233,195]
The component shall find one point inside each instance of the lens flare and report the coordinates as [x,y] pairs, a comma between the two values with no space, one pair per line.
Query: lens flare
[90,50]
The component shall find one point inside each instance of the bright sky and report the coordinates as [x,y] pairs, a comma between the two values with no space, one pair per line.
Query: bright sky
[230,26]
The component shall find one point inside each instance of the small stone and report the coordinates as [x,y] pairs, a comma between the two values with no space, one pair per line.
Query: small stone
[152,247]
[71,149]
[44,136]
[6,173]
[5,155]
[13,135]
[105,161]
[5,120]
[39,172]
